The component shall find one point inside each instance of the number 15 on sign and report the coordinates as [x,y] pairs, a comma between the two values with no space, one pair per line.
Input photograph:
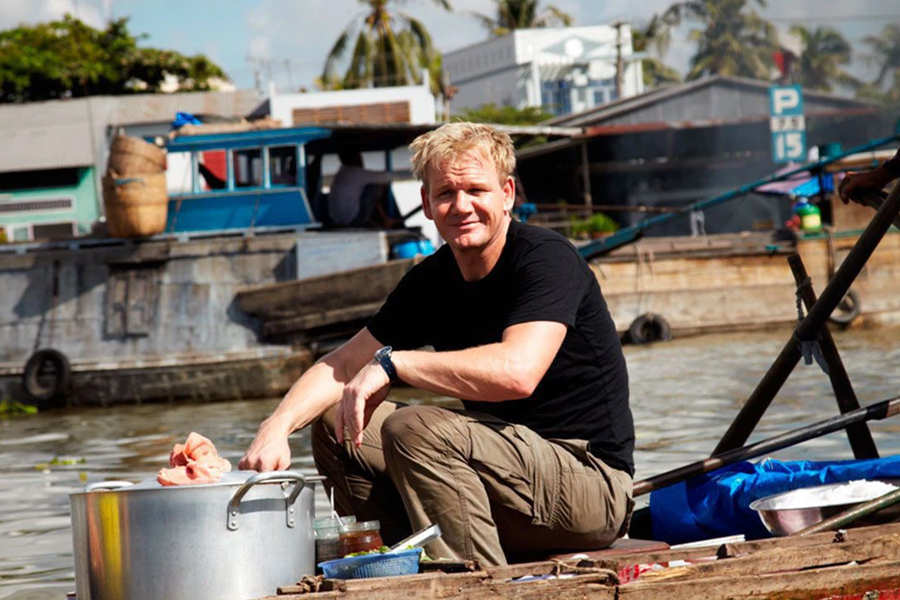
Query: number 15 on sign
[789,146]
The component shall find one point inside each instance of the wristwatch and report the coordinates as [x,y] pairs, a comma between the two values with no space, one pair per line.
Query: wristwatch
[383,356]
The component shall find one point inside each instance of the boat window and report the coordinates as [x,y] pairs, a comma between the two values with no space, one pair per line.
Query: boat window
[283,165]
[248,168]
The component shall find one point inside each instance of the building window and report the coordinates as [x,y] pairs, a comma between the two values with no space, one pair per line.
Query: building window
[53,231]
[556,97]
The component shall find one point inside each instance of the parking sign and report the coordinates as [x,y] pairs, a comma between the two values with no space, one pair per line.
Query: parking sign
[787,123]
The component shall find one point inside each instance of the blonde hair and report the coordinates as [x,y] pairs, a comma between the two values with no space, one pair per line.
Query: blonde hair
[454,139]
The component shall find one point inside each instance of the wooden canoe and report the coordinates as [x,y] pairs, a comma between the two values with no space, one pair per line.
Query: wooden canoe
[862,563]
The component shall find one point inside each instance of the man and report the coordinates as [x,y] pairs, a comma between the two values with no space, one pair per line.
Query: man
[540,460]
[873,180]
[358,196]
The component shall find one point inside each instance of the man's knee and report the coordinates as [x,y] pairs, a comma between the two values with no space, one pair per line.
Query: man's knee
[414,432]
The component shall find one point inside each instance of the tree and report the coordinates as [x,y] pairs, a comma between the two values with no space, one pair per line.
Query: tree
[522,14]
[389,48]
[654,36]
[733,39]
[886,56]
[505,115]
[823,52]
[69,58]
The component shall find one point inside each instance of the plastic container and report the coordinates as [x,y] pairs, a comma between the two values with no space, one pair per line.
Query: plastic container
[327,532]
[405,562]
[359,537]
[810,216]
[412,248]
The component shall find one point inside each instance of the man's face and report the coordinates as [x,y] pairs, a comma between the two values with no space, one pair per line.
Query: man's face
[467,201]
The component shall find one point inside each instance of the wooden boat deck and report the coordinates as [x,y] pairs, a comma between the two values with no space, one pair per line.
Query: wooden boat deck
[862,563]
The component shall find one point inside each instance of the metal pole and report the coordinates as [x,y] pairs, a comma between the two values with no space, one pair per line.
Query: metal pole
[876,412]
[809,328]
[860,437]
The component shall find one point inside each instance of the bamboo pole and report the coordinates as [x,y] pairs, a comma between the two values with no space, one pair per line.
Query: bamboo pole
[852,514]
[809,328]
[876,412]
[859,436]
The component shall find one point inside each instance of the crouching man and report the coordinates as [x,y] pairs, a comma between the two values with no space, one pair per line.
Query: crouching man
[540,460]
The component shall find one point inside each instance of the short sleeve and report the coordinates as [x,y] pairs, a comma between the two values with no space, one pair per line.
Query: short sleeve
[549,282]
[398,322]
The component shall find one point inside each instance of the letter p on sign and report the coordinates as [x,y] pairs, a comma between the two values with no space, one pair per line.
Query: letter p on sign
[784,99]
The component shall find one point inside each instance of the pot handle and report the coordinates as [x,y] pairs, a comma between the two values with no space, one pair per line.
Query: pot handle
[271,477]
[107,486]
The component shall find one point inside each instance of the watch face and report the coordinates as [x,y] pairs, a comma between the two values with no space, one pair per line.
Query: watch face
[383,352]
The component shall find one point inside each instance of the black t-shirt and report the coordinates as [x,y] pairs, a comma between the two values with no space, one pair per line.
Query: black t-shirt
[539,277]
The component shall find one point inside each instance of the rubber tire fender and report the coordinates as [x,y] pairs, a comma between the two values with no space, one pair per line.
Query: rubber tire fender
[845,318]
[648,328]
[47,376]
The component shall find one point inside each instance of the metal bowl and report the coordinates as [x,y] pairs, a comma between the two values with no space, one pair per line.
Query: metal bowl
[787,521]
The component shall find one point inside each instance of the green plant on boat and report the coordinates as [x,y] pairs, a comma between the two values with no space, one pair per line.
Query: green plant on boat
[597,225]
[12,408]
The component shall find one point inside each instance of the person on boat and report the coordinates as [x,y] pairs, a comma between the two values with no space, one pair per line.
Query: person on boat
[540,460]
[359,197]
[874,180]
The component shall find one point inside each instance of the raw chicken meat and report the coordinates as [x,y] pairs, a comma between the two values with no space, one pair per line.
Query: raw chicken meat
[195,461]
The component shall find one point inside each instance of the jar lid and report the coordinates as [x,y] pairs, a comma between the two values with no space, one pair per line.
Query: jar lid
[361,526]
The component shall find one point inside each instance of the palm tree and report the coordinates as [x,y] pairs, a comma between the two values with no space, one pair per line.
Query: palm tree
[390,48]
[732,40]
[886,55]
[522,14]
[824,51]
[655,36]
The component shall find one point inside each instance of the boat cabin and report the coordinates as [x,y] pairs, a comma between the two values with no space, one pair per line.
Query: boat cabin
[246,180]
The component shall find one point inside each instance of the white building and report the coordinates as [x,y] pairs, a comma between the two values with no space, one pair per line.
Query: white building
[565,70]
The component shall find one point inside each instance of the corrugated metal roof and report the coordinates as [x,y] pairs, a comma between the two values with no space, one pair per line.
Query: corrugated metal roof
[58,133]
[710,99]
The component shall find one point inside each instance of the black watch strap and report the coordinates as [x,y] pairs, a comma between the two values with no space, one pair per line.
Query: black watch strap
[383,356]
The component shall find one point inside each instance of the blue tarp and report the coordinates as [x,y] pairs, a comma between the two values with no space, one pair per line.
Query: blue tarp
[183,118]
[718,504]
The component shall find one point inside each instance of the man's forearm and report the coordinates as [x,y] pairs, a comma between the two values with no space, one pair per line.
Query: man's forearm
[488,373]
[314,393]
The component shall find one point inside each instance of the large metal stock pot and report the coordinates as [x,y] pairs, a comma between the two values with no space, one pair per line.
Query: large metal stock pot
[236,539]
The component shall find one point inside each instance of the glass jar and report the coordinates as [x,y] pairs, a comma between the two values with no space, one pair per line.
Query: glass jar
[360,537]
[327,532]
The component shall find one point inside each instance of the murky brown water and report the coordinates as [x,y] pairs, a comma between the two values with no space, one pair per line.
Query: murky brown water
[684,396]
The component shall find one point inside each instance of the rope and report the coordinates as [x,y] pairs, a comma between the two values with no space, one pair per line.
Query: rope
[809,349]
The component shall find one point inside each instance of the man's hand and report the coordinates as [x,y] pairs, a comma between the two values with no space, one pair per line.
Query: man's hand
[269,451]
[361,397]
[868,181]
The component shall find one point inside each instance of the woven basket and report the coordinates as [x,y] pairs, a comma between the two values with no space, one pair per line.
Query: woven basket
[133,156]
[136,205]
[405,562]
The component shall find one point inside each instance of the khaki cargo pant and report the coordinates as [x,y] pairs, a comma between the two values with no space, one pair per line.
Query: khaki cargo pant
[498,491]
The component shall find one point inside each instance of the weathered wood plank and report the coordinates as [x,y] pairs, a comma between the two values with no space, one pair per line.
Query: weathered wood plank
[320,319]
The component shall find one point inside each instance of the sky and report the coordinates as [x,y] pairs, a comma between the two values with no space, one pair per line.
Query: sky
[288,40]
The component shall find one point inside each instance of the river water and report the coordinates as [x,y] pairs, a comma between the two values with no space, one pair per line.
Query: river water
[684,396]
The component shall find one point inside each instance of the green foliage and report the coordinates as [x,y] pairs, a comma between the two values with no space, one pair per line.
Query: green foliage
[504,115]
[732,38]
[824,52]
[655,36]
[884,54]
[597,223]
[60,462]
[389,48]
[522,14]
[68,58]
[10,409]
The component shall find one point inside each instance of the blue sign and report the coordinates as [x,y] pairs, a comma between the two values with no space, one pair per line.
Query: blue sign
[787,123]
